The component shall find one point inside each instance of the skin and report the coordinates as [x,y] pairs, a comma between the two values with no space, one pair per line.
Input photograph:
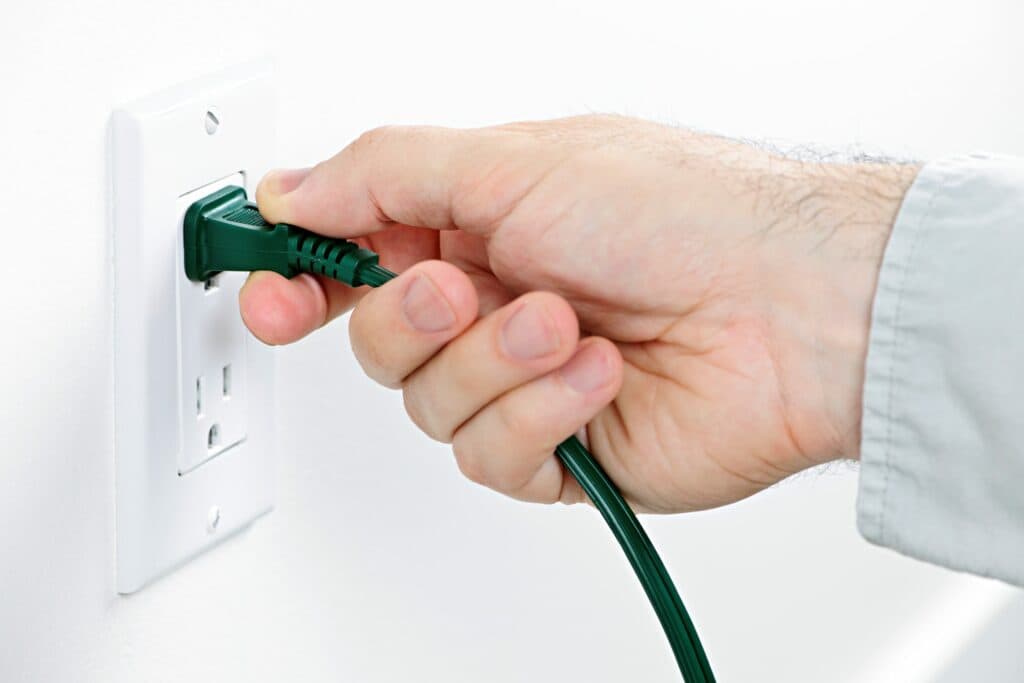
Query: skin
[700,305]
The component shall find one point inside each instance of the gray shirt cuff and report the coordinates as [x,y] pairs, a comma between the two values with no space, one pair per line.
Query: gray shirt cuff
[942,449]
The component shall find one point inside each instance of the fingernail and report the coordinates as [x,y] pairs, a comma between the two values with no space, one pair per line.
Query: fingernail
[425,307]
[285,180]
[588,370]
[529,333]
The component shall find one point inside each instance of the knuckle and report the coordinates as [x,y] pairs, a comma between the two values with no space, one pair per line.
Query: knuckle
[467,457]
[505,481]
[383,135]
[421,415]
[497,468]
[514,424]
[373,137]
[371,355]
[463,383]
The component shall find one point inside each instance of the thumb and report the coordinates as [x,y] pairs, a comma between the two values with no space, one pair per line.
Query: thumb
[428,177]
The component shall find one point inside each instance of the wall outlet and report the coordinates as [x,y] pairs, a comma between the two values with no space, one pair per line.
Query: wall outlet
[212,342]
[194,431]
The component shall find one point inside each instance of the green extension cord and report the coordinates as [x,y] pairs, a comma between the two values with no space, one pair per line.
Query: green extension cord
[224,231]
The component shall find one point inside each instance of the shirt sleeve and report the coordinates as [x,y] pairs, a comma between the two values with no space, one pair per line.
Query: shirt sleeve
[942,448]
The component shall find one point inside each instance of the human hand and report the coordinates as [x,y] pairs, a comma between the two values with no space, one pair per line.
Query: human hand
[723,293]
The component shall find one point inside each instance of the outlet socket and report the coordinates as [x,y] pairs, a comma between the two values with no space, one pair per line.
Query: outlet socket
[194,430]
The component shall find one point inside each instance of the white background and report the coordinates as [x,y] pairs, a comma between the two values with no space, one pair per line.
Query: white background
[380,563]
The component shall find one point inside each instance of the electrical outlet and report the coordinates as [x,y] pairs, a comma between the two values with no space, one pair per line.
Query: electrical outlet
[212,342]
[194,431]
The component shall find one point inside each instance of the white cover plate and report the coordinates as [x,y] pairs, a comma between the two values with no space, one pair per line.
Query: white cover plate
[160,150]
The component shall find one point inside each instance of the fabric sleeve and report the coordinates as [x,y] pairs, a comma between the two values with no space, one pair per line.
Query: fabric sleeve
[942,448]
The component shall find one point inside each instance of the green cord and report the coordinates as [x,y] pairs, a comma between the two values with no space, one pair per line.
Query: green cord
[646,563]
[224,231]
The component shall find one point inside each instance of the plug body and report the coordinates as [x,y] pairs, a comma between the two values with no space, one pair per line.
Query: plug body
[225,231]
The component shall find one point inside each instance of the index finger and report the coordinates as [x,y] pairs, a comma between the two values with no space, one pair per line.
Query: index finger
[430,177]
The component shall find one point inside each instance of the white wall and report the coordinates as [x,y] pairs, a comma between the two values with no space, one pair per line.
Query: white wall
[380,563]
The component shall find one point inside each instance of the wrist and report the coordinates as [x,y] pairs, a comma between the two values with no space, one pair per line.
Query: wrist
[848,223]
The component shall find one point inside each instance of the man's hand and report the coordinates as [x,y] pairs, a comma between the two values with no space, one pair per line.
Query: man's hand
[701,305]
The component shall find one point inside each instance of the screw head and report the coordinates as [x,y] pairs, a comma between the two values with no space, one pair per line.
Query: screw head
[212,519]
[211,121]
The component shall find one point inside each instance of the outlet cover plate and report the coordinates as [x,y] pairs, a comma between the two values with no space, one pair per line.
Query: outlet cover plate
[172,505]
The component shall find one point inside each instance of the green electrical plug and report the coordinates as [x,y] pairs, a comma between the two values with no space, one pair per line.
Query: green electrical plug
[225,231]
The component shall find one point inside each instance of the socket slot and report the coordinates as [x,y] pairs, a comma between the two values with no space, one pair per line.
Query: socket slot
[199,397]
[213,436]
